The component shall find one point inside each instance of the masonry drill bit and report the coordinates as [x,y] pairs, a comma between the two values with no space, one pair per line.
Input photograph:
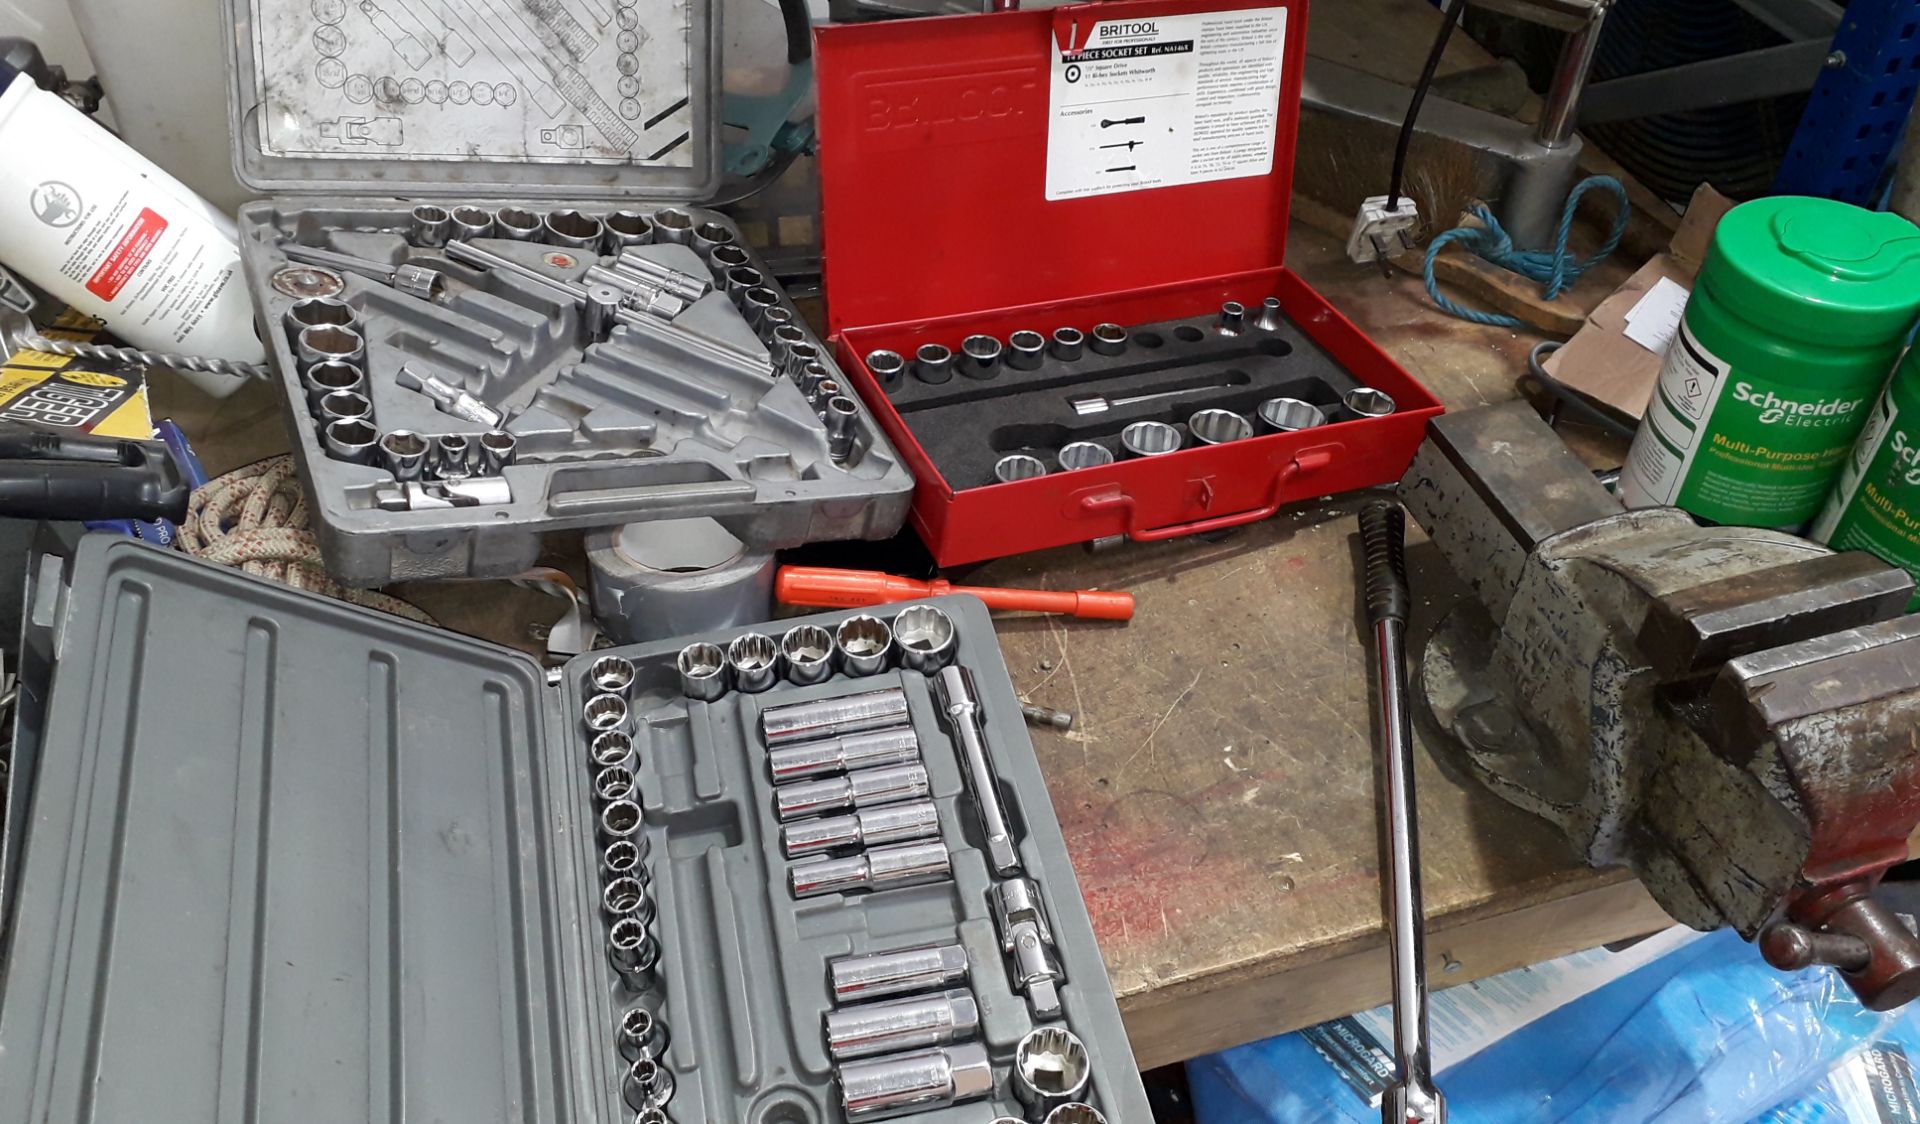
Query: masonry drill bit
[17,335]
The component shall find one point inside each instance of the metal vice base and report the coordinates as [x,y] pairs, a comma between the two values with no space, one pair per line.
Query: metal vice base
[1732,713]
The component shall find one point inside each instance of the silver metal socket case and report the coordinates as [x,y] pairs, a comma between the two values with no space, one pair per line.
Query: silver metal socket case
[868,827]
[703,672]
[1051,1067]
[857,979]
[903,1084]
[879,868]
[862,788]
[888,1027]
[641,1034]
[926,638]
[876,748]
[792,723]
[753,659]
[864,645]
[806,652]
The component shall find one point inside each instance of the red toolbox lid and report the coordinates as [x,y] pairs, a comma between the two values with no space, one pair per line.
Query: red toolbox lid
[934,168]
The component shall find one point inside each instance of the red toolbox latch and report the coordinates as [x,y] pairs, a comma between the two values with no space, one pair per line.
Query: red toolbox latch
[1094,504]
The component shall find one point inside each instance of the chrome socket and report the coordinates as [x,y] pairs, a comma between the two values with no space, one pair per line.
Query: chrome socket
[1149,439]
[869,827]
[1026,350]
[417,280]
[1067,344]
[516,224]
[800,356]
[497,449]
[641,1035]
[882,868]
[980,357]
[926,637]
[648,1085]
[452,456]
[781,340]
[626,228]
[824,392]
[755,303]
[429,225]
[774,317]
[1217,427]
[855,979]
[812,377]
[888,369]
[878,1088]
[623,859]
[605,712]
[1109,339]
[615,782]
[754,661]
[863,645]
[1018,466]
[1083,454]
[870,750]
[611,747]
[329,343]
[710,236]
[841,416]
[620,820]
[740,279]
[317,312]
[470,223]
[627,897]
[325,378]
[634,954]
[351,439]
[872,1029]
[345,405]
[404,453]
[1269,318]
[1233,318]
[1077,1112]
[573,230]
[703,672]
[611,674]
[933,363]
[724,260]
[807,653]
[827,718]
[862,788]
[1051,1068]
[1366,402]
[671,224]
[1289,415]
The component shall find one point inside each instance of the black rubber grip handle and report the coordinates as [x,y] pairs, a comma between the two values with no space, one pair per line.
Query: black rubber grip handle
[140,482]
[1383,531]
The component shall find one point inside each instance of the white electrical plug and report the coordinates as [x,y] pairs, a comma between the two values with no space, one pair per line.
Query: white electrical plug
[1380,231]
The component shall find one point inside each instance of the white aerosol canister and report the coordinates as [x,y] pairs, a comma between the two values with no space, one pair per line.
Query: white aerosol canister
[98,226]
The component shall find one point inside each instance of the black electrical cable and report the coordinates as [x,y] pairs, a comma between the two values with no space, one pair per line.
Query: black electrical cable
[1566,397]
[1420,95]
[799,31]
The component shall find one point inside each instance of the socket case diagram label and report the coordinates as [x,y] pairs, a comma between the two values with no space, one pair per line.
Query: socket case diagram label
[1165,100]
[519,81]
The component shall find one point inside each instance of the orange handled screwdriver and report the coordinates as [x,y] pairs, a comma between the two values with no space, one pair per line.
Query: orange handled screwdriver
[847,589]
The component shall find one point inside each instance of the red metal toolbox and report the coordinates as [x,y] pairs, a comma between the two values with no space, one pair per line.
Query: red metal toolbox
[937,224]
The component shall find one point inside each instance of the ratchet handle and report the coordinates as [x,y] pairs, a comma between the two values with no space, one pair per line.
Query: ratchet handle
[1383,532]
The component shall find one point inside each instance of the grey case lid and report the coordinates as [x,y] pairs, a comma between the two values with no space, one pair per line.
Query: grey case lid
[286,865]
[371,70]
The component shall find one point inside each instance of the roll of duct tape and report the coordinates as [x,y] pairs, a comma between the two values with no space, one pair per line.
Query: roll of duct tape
[652,581]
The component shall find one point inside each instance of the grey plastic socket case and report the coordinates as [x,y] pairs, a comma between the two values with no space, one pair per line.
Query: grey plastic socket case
[635,429]
[289,860]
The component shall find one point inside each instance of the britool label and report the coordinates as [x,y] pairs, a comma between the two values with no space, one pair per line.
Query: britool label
[1734,448]
[1876,506]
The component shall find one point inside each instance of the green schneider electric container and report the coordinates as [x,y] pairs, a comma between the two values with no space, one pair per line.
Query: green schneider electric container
[1797,316]
[1876,507]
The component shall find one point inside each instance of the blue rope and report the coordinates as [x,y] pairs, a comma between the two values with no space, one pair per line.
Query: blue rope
[1555,271]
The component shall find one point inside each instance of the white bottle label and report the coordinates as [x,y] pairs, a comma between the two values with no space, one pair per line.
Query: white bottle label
[1669,434]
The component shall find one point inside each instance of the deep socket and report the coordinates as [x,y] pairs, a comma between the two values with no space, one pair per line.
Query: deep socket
[452,456]
[754,661]
[671,224]
[862,788]
[1109,339]
[1290,415]
[842,417]
[344,405]
[926,638]
[325,378]
[856,979]
[627,897]
[1366,402]
[806,651]
[573,230]
[880,1088]
[1149,439]
[881,868]
[497,449]
[1018,466]
[404,453]
[647,1086]
[626,228]
[605,712]
[980,357]
[470,223]
[869,827]
[1269,318]
[429,225]
[1026,350]
[888,369]
[615,782]
[1233,318]
[351,439]
[611,674]
[703,671]
[870,750]
[634,953]
[863,645]
[1050,1068]
[871,1029]
[324,343]
[611,748]
[1217,427]
[312,312]
[827,718]
[619,820]
[1083,454]
[933,363]
[641,1035]
[517,224]
[1068,344]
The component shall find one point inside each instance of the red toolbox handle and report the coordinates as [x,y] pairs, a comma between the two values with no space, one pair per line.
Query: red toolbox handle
[1310,460]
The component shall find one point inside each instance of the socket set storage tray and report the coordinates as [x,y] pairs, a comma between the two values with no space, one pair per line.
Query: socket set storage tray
[623,411]
[968,166]
[339,866]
